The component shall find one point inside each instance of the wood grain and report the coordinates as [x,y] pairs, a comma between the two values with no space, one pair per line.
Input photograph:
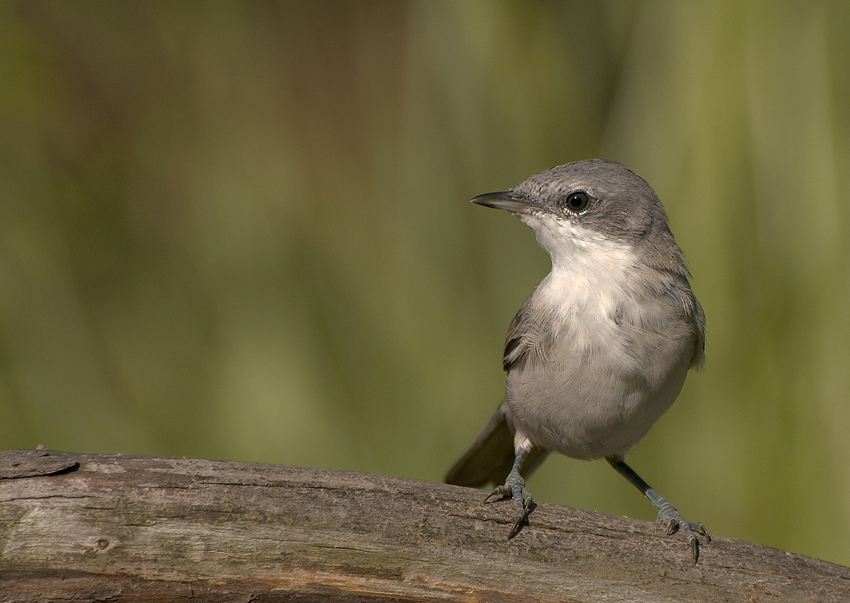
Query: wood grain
[136,528]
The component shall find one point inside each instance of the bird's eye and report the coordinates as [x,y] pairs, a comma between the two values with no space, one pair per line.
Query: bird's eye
[577,202]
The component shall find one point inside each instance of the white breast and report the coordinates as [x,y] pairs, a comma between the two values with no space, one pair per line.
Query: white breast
[588,390]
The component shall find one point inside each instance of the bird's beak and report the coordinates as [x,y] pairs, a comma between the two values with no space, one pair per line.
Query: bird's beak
[506,200]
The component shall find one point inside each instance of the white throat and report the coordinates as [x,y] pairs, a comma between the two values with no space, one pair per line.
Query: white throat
[588,269]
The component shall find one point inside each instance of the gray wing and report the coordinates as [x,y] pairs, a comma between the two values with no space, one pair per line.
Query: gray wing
[523,335]
[491,456]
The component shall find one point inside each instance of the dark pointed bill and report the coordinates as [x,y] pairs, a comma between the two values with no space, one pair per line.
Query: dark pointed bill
[505,200]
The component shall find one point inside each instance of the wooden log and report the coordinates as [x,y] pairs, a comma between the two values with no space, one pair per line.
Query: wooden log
[91,527]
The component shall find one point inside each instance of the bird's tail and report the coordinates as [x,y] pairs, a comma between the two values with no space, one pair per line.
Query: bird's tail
[491,456]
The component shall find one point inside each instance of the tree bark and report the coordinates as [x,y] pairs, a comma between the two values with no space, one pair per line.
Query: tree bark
[90,527]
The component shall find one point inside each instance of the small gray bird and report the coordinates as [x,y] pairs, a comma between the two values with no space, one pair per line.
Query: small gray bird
[601,348]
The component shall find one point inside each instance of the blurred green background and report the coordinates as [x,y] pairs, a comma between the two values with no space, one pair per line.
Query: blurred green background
[242,231]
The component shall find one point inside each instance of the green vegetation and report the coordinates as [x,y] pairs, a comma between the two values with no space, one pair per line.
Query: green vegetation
[241,230]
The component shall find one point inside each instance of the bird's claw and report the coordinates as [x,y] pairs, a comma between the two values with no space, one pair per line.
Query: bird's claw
[500,491]
[514,487]
[669,516]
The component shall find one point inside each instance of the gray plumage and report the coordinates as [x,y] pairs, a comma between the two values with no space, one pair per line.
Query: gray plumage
[600,349]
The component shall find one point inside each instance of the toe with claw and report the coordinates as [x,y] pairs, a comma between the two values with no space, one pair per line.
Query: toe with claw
[514,487]
[669,516]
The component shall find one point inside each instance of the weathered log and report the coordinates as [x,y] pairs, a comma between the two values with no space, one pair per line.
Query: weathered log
[83,527]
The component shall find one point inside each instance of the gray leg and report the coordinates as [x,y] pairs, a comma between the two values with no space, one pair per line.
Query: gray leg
[667,513]
[514,487]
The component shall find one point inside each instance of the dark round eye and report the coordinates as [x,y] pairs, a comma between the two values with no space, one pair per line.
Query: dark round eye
[577,202]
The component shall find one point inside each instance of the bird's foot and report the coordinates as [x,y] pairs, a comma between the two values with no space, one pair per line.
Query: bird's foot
[514,487]
[669,516]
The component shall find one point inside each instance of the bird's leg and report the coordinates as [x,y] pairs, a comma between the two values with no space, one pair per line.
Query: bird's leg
[514,487]
[667,513]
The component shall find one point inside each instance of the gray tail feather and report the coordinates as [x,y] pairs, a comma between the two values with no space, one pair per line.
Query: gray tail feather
[491,456]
